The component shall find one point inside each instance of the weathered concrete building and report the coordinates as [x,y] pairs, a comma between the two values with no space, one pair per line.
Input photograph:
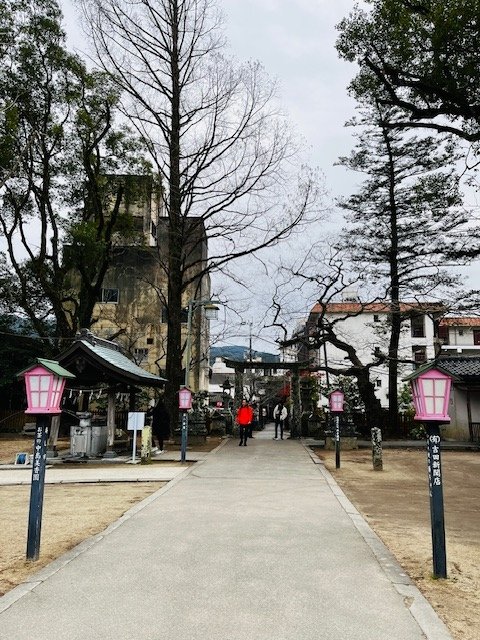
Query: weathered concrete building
[132,308]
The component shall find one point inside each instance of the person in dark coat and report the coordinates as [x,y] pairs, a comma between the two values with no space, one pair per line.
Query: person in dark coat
[160,423]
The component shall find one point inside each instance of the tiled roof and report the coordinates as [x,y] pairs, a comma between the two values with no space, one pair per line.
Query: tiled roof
[120,361]
[107,363]
[375,307]
[460,322]
[465,367]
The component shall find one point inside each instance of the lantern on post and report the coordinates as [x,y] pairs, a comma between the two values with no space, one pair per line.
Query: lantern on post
[431,387]
[44,385]
[336,400]
[184,404]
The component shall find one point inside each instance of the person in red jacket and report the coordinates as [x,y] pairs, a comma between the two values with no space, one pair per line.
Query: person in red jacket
[244,420]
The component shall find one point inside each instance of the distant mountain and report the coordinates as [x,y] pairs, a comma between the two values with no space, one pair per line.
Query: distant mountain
[238,352]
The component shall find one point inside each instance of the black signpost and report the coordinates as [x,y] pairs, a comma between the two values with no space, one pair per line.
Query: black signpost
[336,400]
[184,404]
[37,487]
[337,441]
[436,500]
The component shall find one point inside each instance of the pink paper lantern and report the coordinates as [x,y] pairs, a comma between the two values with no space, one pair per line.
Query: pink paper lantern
[431,395]
[185,398]
[336,399]
[44,384]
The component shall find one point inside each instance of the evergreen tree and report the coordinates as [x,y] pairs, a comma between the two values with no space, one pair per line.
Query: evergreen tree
[423,55]
[58,139]
[407,229]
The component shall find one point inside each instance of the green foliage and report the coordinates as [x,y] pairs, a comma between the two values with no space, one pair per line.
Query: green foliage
[405,400]
[417,432]
[421,56]
[58,142]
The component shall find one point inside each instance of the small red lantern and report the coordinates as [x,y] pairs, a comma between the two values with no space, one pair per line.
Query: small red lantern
[336,399]
[185,398]
[44,383]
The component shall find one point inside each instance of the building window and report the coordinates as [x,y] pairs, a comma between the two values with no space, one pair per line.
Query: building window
[376,317]
[378,383]
[418,326]
[377,351]
[140,355]
[149,340]
[419,355]
[109,296]
[460,332]
[153,230]
[443,333]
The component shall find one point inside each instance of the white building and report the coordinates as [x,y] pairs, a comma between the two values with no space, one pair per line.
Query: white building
[460,336]
[365,326]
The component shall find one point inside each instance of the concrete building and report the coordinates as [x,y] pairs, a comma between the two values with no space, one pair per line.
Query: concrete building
[132,308]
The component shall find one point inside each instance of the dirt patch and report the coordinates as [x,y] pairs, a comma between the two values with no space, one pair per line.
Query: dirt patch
[395,502]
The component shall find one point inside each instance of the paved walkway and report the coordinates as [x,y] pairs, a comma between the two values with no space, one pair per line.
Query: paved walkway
[253,543]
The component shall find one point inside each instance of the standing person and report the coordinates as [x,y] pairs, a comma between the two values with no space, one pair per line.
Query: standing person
[254,423]
[280,414]
[160,423]
[244,420]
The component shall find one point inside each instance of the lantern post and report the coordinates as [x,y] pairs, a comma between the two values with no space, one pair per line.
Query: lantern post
[336,400]
[184,404]
[44,384]
[431,394]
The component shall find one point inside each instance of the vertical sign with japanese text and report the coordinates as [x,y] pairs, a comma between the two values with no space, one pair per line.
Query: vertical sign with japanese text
[37,488]
[436,500]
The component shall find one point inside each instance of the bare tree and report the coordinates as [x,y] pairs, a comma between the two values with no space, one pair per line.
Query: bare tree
[214,133]
[322,275]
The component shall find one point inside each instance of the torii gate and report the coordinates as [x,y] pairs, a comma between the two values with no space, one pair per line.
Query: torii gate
[240,365]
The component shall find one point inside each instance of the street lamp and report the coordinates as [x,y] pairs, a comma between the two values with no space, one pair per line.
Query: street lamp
[44,384]
[431,393]
[211,313]
[336,400]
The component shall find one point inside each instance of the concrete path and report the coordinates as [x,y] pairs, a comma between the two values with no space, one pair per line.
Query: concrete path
[253,543]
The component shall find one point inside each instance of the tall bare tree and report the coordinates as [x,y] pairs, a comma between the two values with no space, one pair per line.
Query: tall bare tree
[216,137]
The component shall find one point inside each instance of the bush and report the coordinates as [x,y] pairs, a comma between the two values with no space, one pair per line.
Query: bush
[417,432]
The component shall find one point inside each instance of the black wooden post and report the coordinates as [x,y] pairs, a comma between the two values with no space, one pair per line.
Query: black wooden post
[184,436]
[37,488]
[337,441]
[436,500]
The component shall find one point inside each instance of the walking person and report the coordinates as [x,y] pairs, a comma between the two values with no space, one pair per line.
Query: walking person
[244,420]
[254,423]
[160,424]
[280,414]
